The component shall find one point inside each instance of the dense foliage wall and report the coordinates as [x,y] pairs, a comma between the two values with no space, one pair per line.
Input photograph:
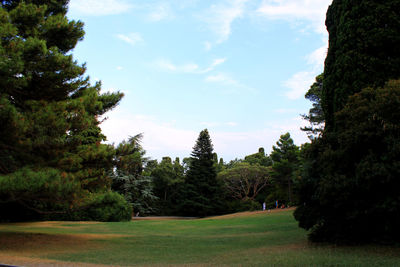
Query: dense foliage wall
[364,38]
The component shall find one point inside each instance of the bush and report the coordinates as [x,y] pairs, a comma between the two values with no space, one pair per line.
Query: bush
[104,207]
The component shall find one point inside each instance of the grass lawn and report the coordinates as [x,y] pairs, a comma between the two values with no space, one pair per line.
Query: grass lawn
[245,239]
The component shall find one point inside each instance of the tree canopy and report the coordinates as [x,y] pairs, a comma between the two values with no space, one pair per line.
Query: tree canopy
[202,191]
[49,112]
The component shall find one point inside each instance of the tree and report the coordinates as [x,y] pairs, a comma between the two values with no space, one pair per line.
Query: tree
[357,199]
[167,179]
[201,195]
[315,115]
[348,167]
[364,37]
[244,181]
[128,178]
[285,164]
[259,158]
[49,113]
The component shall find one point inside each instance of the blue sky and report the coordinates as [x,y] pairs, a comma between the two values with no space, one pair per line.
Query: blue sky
[239,68]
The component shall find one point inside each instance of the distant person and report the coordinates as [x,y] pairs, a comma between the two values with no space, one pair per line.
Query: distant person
[276,204]
[264,206]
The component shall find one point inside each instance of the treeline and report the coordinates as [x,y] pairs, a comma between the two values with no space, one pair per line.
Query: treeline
[203,184]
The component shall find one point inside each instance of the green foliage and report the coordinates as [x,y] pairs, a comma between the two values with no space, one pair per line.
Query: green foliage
[48,110]
[350,190]
[364,37]
[259,158]
[201,194]
[285,166]
[103,207]
[315,115]
[128,178]
[168,178]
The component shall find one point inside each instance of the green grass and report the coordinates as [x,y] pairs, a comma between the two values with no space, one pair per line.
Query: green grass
[263,239]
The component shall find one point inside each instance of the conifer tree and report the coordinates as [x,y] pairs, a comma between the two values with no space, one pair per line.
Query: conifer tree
[51,156]
[201,195]
[347,185]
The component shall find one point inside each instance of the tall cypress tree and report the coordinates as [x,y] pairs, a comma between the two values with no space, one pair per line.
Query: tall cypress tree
[51,154]
[349,172]
[364,40]
[201,195]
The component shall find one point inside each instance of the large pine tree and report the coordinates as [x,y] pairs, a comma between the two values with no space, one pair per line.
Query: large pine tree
[51,156]
[201,195]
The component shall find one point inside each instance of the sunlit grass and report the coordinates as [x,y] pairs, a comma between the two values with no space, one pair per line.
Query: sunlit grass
[257,239]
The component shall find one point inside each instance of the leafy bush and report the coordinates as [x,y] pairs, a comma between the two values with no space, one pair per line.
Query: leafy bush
[104,207]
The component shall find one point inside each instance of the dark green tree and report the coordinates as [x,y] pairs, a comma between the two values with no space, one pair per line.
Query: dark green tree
[285,164]
[259,158]
[167,178]
[364,37]
[51,156]
[347,168]
[315,115]
[350,194]
[201,194]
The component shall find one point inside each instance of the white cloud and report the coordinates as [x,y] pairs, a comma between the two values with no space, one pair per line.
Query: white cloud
[162,139]
[299,83]
[313,11]
[229,81]
[221,78]
[99,7]
[160,11]
[317,57]
[131,38]
[221,16]
[192,68]
[119,68]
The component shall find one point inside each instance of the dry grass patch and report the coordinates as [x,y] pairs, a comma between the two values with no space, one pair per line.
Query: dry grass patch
[38,262]
[43,244]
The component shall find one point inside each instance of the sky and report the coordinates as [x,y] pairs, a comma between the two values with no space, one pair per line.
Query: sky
[239,68]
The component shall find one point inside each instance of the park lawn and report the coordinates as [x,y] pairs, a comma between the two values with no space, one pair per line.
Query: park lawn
[244,239]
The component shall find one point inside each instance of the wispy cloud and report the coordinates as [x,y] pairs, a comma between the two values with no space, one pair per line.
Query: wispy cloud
[220,17]
[228,81]
[299,84]
[313,11]
[160,11]
[192,68]
[99,7]
[218,124]
[162,139]
[222,78]
[301,81]
[317,57]
[131,38]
